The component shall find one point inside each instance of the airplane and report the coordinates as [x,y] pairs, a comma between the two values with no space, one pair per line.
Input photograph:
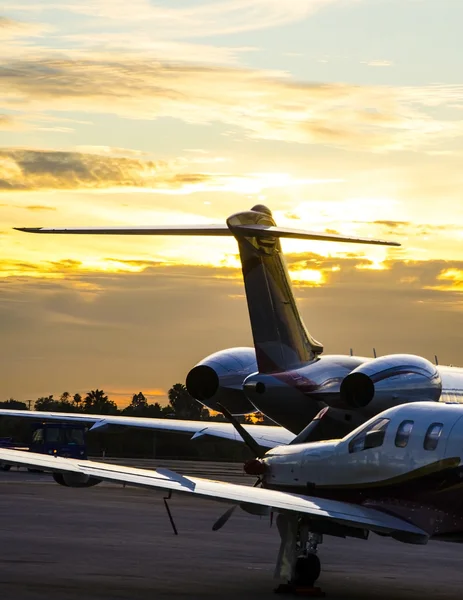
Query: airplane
[285,376]
[399,475]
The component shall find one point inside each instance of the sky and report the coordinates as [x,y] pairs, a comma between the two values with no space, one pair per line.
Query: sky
[340,115]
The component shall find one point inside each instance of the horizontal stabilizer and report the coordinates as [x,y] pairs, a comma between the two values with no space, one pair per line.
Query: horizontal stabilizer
[212,230]
[300,234]
[254,230]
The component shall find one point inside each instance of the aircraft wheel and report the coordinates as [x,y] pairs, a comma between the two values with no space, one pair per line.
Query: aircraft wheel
[5,467]
[307,570]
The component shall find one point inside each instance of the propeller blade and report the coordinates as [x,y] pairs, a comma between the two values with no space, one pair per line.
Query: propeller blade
[227,514]
[329,423]
[224,518]
[247,438]
[305,435]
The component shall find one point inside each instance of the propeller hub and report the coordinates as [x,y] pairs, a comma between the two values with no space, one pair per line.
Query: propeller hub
[255,466]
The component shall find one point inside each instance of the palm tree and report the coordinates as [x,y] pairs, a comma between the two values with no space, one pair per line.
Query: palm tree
[139,401]
[45,403]
[184,405]
[97,402]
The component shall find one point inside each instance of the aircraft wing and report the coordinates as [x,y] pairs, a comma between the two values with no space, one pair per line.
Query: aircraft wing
[267,436]
[343,513]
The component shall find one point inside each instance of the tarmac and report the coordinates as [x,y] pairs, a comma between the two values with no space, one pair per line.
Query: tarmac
[111,542]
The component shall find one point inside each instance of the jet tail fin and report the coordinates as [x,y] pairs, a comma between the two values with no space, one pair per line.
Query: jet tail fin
[281,340]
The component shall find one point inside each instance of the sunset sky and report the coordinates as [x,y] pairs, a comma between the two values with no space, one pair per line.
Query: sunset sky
[340,115]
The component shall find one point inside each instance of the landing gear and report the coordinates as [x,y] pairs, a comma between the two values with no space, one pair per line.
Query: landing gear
[298,562]
[306,570]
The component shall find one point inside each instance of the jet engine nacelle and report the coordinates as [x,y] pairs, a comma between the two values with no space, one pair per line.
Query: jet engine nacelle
[219,379]
[390,380]
[75,480]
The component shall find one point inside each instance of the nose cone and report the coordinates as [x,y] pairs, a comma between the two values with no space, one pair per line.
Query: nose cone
[255,467]
[319,450]
[299,465]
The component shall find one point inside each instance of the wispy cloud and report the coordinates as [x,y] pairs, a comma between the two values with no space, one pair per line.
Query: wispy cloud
[39,207]
[10,29]
[204,18]
[265,105]
[107,168]
[35,170]
[377,63]
[21,122]
[9,123]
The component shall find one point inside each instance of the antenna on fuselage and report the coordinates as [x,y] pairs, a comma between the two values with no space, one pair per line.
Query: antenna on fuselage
[436,359]
[374,352]
[351,352]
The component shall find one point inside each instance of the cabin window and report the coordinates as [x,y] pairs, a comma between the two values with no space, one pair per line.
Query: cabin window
[370,437]
[52,435]
[74,436]
[432,436]
[37,437]
[403,433]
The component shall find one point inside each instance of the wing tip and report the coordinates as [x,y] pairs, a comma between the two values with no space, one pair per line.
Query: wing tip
[29,229]
[386,243]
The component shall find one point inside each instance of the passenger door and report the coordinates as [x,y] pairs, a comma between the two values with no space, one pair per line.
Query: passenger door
[454,444]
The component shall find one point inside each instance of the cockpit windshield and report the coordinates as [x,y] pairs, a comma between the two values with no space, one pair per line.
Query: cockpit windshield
[372,436]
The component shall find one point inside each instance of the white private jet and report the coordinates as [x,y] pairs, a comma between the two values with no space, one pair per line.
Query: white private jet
[284,375]
[398,475]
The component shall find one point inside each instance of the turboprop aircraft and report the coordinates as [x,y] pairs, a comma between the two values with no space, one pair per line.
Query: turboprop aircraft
[285,375]
[399,475]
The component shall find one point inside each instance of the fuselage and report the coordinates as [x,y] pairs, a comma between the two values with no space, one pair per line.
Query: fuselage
[407,460]
[452,384]
[293,398]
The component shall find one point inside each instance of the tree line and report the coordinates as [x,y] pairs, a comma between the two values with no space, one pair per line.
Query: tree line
[129,442]
[181,406]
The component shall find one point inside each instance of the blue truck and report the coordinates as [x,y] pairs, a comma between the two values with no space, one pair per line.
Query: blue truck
[59,439]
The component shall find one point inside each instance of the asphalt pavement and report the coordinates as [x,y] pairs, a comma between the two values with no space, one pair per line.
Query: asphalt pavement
[110,542]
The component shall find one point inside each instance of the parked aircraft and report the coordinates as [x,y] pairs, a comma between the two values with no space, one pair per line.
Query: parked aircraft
[285,375]
[398,475]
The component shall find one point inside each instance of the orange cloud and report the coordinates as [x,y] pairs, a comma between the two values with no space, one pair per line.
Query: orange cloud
[37,170]
[36,207]
[123,396]
[105,168]
[451,278]
[145,330]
